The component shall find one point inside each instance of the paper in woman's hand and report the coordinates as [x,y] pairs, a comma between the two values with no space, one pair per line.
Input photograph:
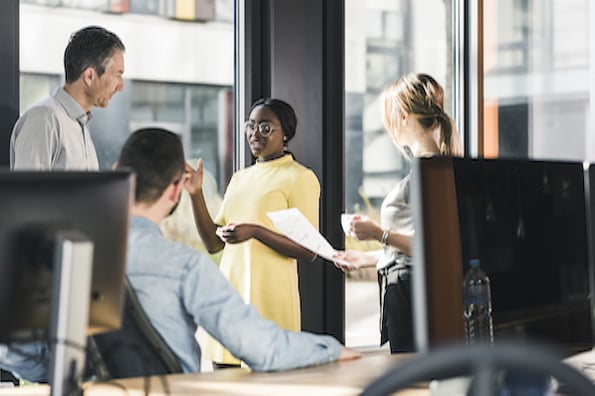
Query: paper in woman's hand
[296,227]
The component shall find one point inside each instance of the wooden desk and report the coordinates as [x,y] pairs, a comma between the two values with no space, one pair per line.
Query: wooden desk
[341,379]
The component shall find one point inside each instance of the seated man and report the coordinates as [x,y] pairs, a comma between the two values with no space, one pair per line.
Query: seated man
[181,289]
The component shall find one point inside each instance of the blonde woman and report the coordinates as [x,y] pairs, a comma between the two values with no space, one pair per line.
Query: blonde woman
[413,115]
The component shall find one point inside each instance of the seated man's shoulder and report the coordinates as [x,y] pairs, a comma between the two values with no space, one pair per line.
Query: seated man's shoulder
[193,255]
[182,252]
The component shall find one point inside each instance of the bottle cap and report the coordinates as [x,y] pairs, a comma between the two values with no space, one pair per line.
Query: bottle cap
[474,262]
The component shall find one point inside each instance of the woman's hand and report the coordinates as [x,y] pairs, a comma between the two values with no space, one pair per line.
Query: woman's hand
[365,229]
[350,260]
[236,233]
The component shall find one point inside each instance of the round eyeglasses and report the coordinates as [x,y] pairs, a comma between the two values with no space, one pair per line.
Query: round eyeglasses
[265,128]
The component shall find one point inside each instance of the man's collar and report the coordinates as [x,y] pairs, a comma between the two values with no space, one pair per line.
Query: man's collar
[73,109]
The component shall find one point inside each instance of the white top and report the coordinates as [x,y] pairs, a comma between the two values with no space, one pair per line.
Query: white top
[396,215]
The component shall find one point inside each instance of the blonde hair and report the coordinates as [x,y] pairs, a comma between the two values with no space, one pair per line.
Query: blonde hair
[422,96]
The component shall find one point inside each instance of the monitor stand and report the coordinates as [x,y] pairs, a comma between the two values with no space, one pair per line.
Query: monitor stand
[71,294]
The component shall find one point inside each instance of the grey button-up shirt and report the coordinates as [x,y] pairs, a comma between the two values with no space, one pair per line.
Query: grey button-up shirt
[53,135]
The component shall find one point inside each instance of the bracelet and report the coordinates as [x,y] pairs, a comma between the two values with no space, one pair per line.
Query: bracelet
[384,238]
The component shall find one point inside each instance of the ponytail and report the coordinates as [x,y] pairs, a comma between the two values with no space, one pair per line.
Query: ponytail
[450,142]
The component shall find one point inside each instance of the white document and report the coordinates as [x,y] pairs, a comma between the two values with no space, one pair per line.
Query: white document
[296,227]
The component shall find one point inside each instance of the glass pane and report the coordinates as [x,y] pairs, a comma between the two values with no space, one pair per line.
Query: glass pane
[162,87]
[536,65]
[170,83]
[384,40]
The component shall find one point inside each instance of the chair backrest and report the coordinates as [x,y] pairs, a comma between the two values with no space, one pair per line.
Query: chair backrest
[135,350]
[527,369]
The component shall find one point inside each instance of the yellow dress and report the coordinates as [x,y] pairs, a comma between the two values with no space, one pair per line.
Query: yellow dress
[264,278]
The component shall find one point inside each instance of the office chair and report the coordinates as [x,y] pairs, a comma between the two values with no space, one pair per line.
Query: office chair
[484,363]
[135,350]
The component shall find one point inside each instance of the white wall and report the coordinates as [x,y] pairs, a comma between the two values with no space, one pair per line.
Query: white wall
[200,53]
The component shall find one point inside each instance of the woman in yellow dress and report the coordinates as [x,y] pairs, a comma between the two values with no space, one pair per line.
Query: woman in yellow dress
[259,261]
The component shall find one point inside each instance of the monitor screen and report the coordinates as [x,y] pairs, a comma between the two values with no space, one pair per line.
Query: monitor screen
[527,223]
[35,204]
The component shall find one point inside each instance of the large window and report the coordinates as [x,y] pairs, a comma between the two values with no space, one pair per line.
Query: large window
[384,40]
[169,84]
[536,78]
[170,81]
[536,97]
[536,89]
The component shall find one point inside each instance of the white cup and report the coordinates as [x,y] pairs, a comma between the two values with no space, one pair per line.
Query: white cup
[346,223]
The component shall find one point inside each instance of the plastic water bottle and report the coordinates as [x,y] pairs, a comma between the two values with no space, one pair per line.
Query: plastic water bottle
[478,305]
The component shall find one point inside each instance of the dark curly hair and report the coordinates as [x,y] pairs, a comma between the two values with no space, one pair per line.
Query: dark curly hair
[283,111]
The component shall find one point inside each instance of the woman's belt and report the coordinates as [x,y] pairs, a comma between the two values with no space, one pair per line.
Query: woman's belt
[395,269]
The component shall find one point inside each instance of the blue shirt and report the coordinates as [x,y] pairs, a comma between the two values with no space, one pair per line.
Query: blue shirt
[28,360]
[181,289]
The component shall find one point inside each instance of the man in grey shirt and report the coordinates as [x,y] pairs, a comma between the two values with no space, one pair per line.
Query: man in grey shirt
[54,134]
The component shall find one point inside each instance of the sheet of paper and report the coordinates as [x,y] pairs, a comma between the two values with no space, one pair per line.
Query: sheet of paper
[296,227]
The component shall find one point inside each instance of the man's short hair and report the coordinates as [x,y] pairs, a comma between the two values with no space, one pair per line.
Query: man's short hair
[157,157]
[92,46]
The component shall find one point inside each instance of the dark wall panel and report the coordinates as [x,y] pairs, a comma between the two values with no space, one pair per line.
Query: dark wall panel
[9,89]
[9,74]
[307,70]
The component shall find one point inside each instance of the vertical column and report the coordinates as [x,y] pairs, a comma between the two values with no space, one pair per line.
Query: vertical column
[332,136]
[307,70]
[459,66]
[294,51]
[474,111]
[9,89]
[9,74]
[253,66]
[590,138]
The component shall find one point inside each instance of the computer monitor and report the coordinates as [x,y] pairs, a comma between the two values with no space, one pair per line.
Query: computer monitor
[97,204]
[63,240]
[527,222]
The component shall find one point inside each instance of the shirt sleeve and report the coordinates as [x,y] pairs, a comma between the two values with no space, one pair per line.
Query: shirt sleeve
[305,195]
[34,140]
[238,326]
[29,360]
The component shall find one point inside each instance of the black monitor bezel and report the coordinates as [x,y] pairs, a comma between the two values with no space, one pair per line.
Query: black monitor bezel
[444,259]
[97,204]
